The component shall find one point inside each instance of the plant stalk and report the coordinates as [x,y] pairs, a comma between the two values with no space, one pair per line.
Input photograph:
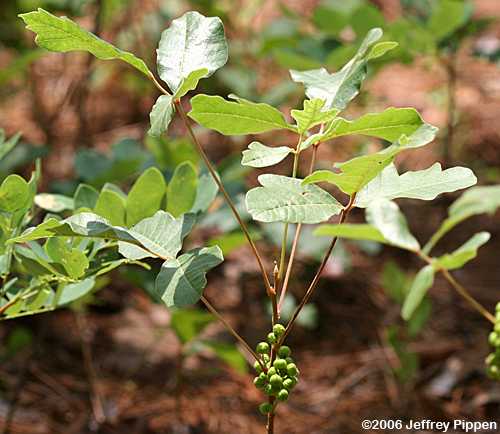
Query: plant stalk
[225,194]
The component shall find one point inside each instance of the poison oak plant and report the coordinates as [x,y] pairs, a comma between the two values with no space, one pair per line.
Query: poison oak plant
[152,221]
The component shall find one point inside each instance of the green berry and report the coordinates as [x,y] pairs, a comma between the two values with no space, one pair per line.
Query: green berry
[497,316]
[289,360]
[271,338]
[278,329]
[284,352]
[271,371]
[282,395]
[289,384]
[257,367]
[263,348]
[266,358]
[497,327]
[265,408]
[276,380]
[280,364]
[269,390]
[292,370]
[259,382]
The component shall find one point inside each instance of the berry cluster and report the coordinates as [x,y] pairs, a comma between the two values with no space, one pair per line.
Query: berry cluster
[493,360]
[280,374]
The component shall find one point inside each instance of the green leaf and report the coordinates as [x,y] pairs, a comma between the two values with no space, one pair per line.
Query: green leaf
[14,193]
[284,199]
[182,189]
[312,115]
[421,284]
[158,236]
[378,50]
[351,231]
[181,281]
[161,115]
[191,43]
[390,221]
[63,35]
[74,291]
[54,202]
[424,184]
[477,200]
[190,82]
[359,171]
[145,196]
[463,254]
[73,260]
[389,125]
[338,89]
[111,206]
[448,16]
[7,145]
[206,192]
[236,118]
[189,323]
[259,155]
[85,197]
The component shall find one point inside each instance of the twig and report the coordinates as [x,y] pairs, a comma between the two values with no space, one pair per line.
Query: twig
[232,330]
[226,195]
[343,216]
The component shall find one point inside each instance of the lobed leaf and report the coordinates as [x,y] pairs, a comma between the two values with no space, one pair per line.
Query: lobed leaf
[181,281]
[259,155]
[386,216]
[284,199]
[424,184]
[463,254]
[191,43]
[236,118]
[63,35]
[421,284]
[312,115]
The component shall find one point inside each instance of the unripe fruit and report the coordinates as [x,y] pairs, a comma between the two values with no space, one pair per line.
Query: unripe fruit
[492,337]
[289,384]
[284,351]
[257,367]
[280,364]
[259,382]
[276,380]
[289,360]
[271,338]
[292,370]
[282,395]
[271,371]
[278,329]
[266,358]
[265,408]
[269,390]
[497,327]
[263,348]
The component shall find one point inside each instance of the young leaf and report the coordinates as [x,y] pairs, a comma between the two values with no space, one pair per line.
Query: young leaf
[54,202]
[477,200]
[236,118]
[85,197]
[421,284]
[63,35]
[378,50]
[359,171]
[14,193]
[189,323]
[191,43]
[145,196]
[389,125]
[161,115]
[390,221]
[463,254]
[158,236]
[284,199]
[424,184]
[73,260]
[312,115]
[351,231]
[181,190]
[259,155]
[111,206]
[181,281]
[341,87]
[190,82]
